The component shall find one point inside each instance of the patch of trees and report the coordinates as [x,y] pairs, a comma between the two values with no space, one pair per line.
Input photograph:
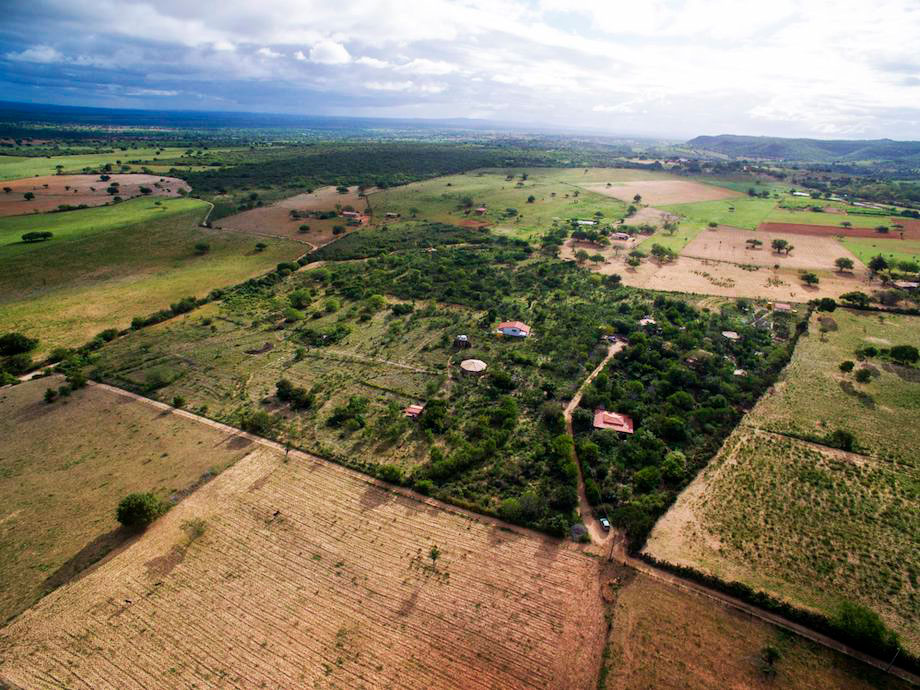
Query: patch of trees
[370,243]
[37,236]
[298,396]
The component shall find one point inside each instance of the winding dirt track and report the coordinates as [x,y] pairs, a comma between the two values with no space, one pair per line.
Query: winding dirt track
[614,543]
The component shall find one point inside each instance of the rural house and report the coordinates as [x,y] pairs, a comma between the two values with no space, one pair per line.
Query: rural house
[731,335]
[481,210]
[515,329]
[350,214]
[782,307]
[647,321]
[621,236]
[413,411]
[613,421]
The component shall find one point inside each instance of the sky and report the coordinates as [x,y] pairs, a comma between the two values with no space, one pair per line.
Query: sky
[664,68]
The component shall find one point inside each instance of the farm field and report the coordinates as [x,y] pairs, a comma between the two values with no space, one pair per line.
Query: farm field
[275,220]
[814,398]
[748,212]
[74,190]
[106,265]
[802,217]
[865,249]
[729,244]
[836,231]
[15,167]
[558,194]
[65,466]
[813,525]
[664,637]
[300,573]
[664,192]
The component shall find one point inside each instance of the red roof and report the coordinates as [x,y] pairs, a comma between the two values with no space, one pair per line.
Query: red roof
[414,410]
[520,325]
[613,420]
[782,306]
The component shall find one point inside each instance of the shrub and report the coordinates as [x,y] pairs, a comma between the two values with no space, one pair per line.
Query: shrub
[846,366]
[291,314]
[865,628]
[300,299]
[257,422]
[390,473]
[178,402]
[137,511]
[37,236]
[905,354]
[261,246]
[842,439]
[202,248]
[303,229]
[863,375]
[826,304]
[16,343]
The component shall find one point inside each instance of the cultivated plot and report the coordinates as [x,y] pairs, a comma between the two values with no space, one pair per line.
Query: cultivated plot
[64,467]
[663,192]
[54,191]
[300,573]
[14,167]
[837,231]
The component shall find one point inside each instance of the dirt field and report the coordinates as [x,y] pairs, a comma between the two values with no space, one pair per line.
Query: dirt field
[276,221]
[657,192]
[810,253]
[911,232]
[79,189]
[651,216]
[663,637]
[709,277]
[308,575]
[65,466]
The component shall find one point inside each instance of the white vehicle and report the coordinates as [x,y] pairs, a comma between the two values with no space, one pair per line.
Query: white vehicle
[605,524]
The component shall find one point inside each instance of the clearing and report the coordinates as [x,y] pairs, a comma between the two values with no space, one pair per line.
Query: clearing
[662,192]
[65,466]
[836,231]
[276,220]
[810,253]
[295,572]
[664,637]
[54,191]
[108,264]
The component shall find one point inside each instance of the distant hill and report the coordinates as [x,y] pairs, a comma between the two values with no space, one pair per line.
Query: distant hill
[777,148]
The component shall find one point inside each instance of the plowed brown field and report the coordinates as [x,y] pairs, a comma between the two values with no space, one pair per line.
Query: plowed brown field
[84,189]
[309,575]
[911,232]
[663,192]
[275,220]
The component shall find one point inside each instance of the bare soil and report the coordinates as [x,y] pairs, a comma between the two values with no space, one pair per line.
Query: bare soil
[663,192]
[79,189]
[276,221]
[911,231]
[730,244]
[309,575]
[651,216]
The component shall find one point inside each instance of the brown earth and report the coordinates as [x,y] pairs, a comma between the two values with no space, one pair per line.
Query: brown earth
[911,232]
[83,189]
[730,244]
[275,220]
[651,216]
[310,575]
[663,192]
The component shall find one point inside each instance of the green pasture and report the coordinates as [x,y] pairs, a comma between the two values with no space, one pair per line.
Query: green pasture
[892,250]
[781,215]
[748,213]
[14,167]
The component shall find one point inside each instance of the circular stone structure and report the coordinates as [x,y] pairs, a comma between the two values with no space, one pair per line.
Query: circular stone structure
[473,367]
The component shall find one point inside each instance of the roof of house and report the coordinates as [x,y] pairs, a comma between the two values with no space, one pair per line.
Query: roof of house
[782,306]
[414,410]
[647,320]
[614,421]
[731,335]
[906,284]
[519,325]
[740,372]
[481,209]
[350,213]
[586,222]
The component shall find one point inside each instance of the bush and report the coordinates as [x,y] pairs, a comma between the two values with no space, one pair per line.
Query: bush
[137,511]
[847,366]
[863,375]
[16,343]
[202,248]
[842,439]
[865,628]
[826,304]
[390,473]
[178,402]
[37,236]
[258,422]
[905,354]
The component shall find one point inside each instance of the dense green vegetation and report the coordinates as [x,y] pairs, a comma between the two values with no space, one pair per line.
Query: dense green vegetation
[685,385]
[779,148]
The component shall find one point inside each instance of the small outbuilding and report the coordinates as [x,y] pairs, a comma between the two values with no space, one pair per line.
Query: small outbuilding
[731,335]
[473,367]
[782,307]
[350,214]
[613,421]
[739,372]
[391,214]
[413,411]
[481,211]
[621,236]
[462,342]
[514,329]
[647,321]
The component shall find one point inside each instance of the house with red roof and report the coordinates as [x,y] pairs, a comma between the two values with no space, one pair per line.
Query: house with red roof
[413,411]
[515,329]
[613,421]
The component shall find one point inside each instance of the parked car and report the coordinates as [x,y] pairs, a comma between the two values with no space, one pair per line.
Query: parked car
[605,524]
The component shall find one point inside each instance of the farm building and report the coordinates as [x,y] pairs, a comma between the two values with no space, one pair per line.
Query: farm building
[647,321]
[413,411]
[782,307]
[481,210]
[739,372]
[350,214]
[586,222]
[515,329]
[391,214]
[613,421]
[621,236]
[731,335]
[801,194]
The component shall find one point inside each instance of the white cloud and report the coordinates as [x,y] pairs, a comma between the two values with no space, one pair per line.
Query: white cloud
[329,53]
[300,56]
[268,53]
[41,54]
[373,62]
[426,66]
[389,85]
[150,92]
[223,46]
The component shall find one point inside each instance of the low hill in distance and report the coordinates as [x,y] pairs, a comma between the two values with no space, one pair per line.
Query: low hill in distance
[779,148]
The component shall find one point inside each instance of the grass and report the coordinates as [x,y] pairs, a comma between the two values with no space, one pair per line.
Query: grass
[748,214]
[107,265]
[892,250]
[812,525]
[15,167]
[780,215]
[555,191]
[65,466]
[666,637]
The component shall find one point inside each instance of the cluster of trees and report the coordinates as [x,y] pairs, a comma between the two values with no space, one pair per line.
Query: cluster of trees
[678,384]
[15,357]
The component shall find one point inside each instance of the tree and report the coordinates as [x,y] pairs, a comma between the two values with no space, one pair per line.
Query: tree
[637,199]
[202,248]
[662,254]
[846,224]
[753,244]
[877,263]
[713,225]
[882,229]
[844,264]
[28,196]
[905,354]
[50,395]
[261,246]
[531,199]
[581,256]
[863,375]
[15,344]
[847,366]
[857,299]
[137,511]
[7,189]
[865,628]
[827,304]
[810,278]
[303,229]
[633,261]
[779,245]
[39,236]
[178,402]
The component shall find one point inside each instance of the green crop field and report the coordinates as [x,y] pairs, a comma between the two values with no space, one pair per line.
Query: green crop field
[555,191]
[14,167]
[106,265]
[781,215]
[749,212]
[810,524]
[892,250]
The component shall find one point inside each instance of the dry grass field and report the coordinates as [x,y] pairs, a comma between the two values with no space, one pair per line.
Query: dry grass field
[275,220]
[52,191]
[65,466]
[300,573]
[668,191]
[663,637]
[812,253]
